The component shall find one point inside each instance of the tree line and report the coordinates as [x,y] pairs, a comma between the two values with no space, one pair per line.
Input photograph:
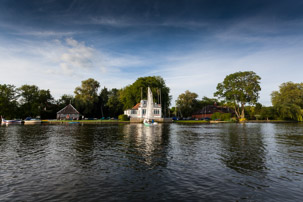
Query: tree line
[88,99]
[240,91]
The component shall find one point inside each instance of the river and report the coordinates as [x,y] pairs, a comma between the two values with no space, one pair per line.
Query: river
[175,162]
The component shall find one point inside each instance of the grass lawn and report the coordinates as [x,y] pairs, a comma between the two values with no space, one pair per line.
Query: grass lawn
[191,121]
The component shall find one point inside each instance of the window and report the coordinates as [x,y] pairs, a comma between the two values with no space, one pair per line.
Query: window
[134,112]
[156,111]
[143,111]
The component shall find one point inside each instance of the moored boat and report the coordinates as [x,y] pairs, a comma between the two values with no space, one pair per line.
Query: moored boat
[30,121]
[9,122]
[148,123]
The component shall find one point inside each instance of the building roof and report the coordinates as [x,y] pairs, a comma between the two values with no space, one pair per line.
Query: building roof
[136,107]
[210,109]
[69,109]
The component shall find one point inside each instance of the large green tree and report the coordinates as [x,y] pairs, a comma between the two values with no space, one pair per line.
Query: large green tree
[86,96]
[186,103]
[65,100]
[34,101]
[131,95]
[114,104]
[239,89]
[288,101]
[8,101]
[103,98]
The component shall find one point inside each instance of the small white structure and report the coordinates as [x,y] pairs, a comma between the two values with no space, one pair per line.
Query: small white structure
[141,110]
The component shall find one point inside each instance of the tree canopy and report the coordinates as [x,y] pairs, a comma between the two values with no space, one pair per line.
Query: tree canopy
[34,101]
[288,101]
[240,88]
[86,96]
[8,101]
[186,103]
[131,95]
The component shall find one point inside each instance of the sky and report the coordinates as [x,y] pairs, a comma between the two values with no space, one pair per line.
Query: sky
[191,44]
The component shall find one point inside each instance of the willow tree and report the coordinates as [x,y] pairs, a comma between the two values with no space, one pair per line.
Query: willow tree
[288,101]
[239,89]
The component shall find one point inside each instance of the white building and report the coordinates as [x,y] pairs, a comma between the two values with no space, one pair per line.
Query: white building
[139,110]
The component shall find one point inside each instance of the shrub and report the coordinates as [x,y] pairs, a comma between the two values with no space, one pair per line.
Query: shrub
[216,115]
[220,116]
[225,116]
[123,117]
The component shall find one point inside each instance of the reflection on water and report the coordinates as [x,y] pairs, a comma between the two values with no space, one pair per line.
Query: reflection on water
[225,162]
[244,149]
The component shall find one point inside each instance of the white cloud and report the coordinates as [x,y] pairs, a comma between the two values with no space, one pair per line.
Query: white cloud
[61,65]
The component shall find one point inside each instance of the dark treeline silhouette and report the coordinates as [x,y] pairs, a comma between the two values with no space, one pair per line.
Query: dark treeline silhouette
[31,101]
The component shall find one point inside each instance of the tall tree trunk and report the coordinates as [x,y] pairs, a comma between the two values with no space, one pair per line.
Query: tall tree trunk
[237,111]
[242,111]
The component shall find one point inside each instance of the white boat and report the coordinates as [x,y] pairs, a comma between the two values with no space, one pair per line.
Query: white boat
[10,122]
[32,121]
[148,121]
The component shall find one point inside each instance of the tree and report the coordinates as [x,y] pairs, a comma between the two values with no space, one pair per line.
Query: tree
[114,104]
[8,101]
[65,100]
[239,89]
[103,98]
[86,96]
[131,95]
[35,102]
[186,103]
[288,101]
[29,100]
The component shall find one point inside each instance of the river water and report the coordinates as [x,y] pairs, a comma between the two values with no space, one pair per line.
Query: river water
[211,162]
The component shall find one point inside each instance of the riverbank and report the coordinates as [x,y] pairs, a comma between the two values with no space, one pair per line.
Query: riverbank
[248,121]
[177,121]
[99,121]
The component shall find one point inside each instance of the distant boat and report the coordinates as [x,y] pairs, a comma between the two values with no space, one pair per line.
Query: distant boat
[148,123]
[9,122]
[31,121]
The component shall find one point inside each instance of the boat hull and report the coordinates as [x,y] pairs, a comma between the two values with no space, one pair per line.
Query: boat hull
[11,122]
[32,122]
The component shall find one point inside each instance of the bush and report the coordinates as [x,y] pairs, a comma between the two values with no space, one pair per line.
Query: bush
[216,116]
[220,116]
[225,116]
[123,117]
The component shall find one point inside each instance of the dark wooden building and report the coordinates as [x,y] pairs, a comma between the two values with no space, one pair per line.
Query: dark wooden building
[209,110]
[68,113]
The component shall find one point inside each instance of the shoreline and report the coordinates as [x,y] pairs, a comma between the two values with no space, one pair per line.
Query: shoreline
[177,122]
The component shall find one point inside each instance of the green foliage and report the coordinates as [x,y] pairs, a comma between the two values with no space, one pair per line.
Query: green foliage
[65,100]
[240,88]
[86,96]
[103,98]
[216,116]
[33,101]
[123,117]
[186,103]
[8,101]
[131,95]
[221,116]
[226,116]
[288,101]
[114,104]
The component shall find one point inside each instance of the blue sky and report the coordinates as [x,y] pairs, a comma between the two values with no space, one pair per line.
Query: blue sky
[192,44]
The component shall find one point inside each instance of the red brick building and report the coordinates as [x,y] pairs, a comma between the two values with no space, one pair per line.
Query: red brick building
[209,110]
